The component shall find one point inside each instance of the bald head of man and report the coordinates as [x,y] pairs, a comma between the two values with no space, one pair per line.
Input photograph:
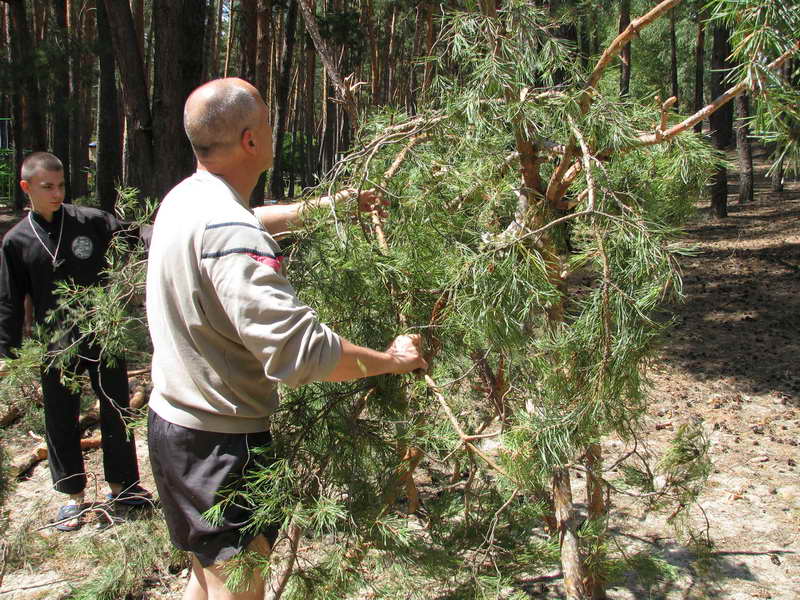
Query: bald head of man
[224,116]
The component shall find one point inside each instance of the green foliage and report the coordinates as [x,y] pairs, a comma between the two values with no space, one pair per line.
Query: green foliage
[109,314]
[567,298]
[123,557]
[647,569]
[6,481]
[458,274]
[761,31]
[19,387]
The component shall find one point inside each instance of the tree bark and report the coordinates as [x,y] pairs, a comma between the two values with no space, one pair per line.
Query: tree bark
[139,143]
[374,61]
[429,41]
[699,66]
[776,180]
[673,63]
[282,98]
[311,166]
[262,83]
[247,40]
[342,90]
[213,71]
[210,40]
[595,492]
[571,563]
[584,38]
[625,54]
[17,133]
[744,149]
[109,144]
[721,121]
[80,26]
[61,135]
[22,58]
[179,27]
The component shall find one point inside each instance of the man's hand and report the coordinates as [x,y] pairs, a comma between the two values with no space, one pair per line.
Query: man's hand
[406,353]
[368,200]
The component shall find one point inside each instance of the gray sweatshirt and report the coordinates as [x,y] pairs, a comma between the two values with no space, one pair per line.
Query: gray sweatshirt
[226,325]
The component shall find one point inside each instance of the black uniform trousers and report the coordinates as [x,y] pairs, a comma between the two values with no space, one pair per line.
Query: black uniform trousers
[61,415]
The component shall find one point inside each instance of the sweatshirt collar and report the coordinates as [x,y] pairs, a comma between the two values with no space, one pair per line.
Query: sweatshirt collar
[209,176]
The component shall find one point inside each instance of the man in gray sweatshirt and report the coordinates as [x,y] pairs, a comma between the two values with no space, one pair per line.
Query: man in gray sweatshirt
[227,327]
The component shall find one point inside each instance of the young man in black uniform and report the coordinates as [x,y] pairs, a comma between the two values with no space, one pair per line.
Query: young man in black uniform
[57,242]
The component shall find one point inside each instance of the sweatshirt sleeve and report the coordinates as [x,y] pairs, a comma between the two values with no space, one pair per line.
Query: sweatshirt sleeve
[243,265]
[13,287]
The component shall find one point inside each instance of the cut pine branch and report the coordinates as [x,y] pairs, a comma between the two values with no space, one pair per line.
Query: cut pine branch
[706,111]
[558,182]
[345,88]
[410,456]
[662,133]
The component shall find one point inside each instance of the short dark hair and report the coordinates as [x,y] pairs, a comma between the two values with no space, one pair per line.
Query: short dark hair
[39,160]
[227,113]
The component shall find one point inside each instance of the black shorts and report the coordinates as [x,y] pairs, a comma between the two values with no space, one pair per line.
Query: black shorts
[190,468]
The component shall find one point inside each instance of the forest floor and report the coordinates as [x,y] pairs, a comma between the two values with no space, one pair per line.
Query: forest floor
[730,363]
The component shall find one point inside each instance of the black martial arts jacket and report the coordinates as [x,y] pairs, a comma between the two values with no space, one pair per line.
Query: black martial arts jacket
[28,268]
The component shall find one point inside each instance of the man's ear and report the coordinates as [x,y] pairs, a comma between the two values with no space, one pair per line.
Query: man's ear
[248,141]
[25,185]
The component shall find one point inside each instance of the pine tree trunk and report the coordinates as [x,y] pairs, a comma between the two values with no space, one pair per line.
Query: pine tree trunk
[625,55]
[721,121]
[276,186]
[139,126]
[374,64]
[213,65]
[411,90]
[342,91]
[61,135]
[389,65]
[38,21]
[109,147]
[137,11]
[598,512]
[699,67]
[79,90]
[673,70]
[22,58]
[247,40]
[263,28]
[232,15]
[178,31]
[744,148]
[18,133]
[309,120]
[209,39]
[584,39]
[571,562]
[776,180]
[429,47]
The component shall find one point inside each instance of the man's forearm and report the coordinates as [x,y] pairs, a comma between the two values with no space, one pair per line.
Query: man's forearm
[357,362]
[280,219]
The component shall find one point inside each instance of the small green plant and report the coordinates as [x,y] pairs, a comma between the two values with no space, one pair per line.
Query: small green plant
[123,557]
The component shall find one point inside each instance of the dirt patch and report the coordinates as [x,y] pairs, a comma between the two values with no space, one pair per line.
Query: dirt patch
[731,363]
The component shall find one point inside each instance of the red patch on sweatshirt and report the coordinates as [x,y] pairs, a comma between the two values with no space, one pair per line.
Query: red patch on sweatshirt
[274,262]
